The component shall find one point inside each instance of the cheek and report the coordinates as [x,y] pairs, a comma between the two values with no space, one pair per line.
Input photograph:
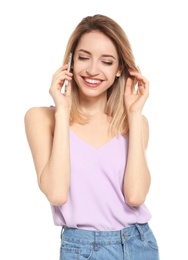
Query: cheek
[111,74]
[76,78]
[79,67]
[76,72]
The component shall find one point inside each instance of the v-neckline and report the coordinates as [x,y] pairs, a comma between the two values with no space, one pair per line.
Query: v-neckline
[92,146]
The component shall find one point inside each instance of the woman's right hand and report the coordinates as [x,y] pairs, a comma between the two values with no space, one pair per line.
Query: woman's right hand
[58,79]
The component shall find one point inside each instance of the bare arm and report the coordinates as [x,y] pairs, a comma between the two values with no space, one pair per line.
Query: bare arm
[47,131]
[50,152]
[137,176]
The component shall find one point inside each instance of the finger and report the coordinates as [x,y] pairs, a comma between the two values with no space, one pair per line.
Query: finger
[140,78]
[139,69]
[61,77]
[143,89]
[62,68]
[68,93]
[128,88]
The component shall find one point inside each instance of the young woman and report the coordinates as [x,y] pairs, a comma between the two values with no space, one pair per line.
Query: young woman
[89,149]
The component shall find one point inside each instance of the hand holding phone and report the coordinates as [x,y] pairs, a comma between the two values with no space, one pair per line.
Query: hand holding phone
[65,85]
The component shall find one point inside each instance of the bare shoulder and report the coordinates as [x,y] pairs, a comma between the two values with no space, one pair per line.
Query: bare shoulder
[39,115]
[39,128]
[39,123]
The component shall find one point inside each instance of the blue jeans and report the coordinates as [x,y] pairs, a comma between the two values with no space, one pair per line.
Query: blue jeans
[136,242]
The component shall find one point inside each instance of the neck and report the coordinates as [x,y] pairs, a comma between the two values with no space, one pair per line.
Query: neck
[93,106]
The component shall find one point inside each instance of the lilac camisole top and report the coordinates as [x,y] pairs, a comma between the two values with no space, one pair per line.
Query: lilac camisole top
[96,200]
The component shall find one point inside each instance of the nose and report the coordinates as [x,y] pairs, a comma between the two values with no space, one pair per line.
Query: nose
[92,69]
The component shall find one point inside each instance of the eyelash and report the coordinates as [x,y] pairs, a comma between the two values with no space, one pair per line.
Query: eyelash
[109,63]
[82,58]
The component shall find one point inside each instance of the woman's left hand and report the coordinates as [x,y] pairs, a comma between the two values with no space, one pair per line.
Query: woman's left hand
[135,99]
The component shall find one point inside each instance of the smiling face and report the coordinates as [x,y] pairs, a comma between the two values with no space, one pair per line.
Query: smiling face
[95,64]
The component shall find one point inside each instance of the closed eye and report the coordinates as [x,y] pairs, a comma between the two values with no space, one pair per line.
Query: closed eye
[82,58]
[107,62]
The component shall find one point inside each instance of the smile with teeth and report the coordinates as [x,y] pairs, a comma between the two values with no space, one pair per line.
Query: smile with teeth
[93,81]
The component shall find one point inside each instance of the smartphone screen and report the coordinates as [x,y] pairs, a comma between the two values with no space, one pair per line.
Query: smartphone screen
[65,85]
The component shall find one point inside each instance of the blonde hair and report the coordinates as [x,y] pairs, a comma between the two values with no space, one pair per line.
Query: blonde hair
[115,107]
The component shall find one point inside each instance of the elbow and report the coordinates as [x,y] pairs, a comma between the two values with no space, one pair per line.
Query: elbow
[134,200]
[57,199]
[55,194]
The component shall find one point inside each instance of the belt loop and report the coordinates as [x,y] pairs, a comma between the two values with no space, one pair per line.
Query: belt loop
[140,231]
[62,230]
[123,236]
[96,243]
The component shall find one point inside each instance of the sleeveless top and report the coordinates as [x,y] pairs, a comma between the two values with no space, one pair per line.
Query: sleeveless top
[95,199]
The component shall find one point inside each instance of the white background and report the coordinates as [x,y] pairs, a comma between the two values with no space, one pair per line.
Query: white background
[33,36]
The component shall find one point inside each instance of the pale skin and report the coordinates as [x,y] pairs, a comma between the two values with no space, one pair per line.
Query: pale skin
[47,130]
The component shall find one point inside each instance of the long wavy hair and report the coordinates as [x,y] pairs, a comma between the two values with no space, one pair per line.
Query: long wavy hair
[115,107]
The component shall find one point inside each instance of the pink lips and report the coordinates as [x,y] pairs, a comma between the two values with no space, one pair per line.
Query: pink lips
[92,82]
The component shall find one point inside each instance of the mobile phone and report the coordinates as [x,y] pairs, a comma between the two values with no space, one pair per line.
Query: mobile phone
[65,85]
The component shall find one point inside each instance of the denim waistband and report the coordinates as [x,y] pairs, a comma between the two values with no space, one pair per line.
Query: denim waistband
[86,237]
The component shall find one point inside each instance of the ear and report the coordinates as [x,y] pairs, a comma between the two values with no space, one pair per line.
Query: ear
[118,74]
[119,71]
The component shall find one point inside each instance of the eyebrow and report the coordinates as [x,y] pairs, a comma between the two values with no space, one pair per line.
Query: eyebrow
[104,55]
